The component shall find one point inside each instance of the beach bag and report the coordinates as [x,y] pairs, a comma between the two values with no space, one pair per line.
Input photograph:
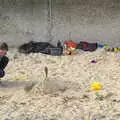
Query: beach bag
[69,47]
[87,46]
[54,51]
[70,44]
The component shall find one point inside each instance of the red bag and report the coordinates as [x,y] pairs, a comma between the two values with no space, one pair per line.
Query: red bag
[70,43]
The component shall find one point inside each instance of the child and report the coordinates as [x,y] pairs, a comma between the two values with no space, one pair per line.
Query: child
[3,59]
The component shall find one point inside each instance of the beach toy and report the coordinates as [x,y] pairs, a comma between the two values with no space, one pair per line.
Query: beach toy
[95,86]
[93,61]
[116,49]
[111,49]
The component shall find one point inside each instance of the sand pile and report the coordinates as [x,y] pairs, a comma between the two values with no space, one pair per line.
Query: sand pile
[27,94]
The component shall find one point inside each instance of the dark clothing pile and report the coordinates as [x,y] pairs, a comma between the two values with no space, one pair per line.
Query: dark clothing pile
[41,47]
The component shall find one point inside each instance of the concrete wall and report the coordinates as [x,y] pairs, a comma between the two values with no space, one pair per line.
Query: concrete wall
[52,20]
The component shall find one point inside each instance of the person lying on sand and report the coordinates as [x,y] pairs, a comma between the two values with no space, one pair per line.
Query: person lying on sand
[3,58]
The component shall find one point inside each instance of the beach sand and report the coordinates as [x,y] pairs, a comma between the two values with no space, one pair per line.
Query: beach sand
[26,93]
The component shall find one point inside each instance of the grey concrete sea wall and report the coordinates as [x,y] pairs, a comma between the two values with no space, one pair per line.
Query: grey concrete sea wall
[51,20]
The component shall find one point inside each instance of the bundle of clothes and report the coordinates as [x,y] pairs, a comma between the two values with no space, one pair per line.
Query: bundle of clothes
[39,47]
[69,47]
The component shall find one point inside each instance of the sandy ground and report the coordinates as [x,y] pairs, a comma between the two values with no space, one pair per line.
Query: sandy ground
[25,93]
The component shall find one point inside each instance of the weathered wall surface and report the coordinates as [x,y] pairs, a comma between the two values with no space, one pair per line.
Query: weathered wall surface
[23,20]
[52,20]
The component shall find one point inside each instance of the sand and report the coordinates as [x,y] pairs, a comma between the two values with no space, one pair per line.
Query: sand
[26,93]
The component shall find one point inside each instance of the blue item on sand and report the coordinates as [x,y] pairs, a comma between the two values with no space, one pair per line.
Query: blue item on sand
[100,45]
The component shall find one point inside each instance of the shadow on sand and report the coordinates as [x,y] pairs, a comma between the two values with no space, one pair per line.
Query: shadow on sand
[15,84]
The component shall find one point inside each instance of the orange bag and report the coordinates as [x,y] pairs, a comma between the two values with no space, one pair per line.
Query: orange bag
[70,44]
[70,47]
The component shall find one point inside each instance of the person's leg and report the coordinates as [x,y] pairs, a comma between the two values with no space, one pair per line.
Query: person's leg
[2,73]
[4,61]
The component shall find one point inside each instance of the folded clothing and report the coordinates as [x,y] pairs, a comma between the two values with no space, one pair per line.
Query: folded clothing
[40,47]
